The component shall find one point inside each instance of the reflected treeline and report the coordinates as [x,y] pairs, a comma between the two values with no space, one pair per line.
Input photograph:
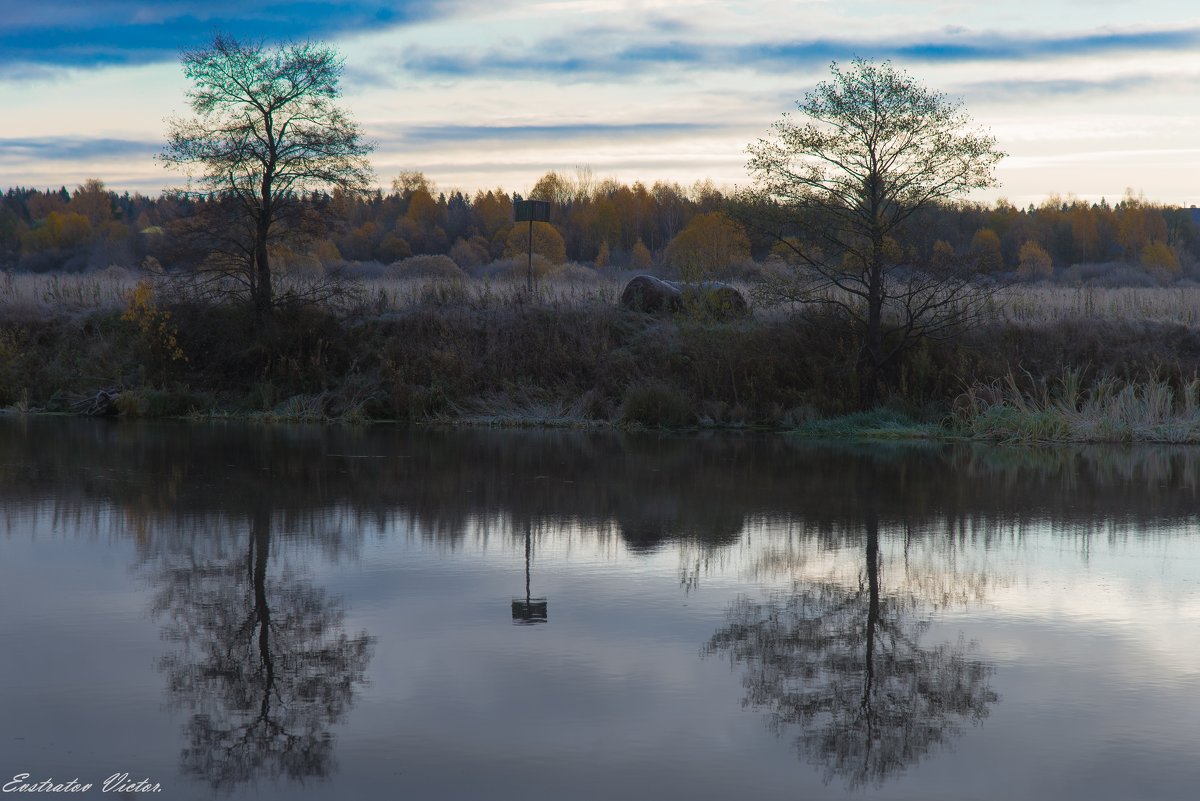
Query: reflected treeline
[649,489]
[260,658]
[843,664]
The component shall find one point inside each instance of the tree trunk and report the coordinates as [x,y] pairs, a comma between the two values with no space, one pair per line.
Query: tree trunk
[263,293]
[873,612]
[260,546]
[871,356]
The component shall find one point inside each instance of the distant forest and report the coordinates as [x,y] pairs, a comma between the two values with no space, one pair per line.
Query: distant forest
[602,224]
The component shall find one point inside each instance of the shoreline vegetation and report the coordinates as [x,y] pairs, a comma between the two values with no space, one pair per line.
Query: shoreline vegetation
[487,353]
[849,290]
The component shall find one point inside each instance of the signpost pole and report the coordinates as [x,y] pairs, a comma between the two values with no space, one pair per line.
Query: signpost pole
[533,211]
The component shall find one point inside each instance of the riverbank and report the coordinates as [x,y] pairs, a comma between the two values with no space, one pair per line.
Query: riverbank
[486,356]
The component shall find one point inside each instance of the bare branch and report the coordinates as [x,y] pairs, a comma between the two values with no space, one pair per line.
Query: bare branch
[876,148]
[266,132]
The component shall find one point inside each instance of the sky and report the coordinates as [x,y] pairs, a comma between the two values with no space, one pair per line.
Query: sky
[1089,98]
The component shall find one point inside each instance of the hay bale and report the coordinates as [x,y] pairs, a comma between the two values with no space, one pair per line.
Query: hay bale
[645,293]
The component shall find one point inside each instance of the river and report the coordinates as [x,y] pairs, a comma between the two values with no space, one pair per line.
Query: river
[277,612]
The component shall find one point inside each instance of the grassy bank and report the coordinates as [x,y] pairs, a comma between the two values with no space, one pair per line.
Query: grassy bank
[490,354]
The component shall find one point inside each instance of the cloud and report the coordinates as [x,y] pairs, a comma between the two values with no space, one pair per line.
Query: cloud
[73,148]
[1019,89]
[435,134]
[596,56]
[991,47]
[84,33]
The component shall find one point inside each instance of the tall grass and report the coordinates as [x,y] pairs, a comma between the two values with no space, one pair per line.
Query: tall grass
[490,352]
[1109,410]
[109,290]
[1036,304]
[1040,304]
[104,290]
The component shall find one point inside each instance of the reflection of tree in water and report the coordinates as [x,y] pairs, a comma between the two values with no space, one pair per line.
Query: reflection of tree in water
[847,667]
[263,665]
[648,490]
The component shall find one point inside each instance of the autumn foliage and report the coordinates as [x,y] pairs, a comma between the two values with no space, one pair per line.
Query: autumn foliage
[711,246]
[635,227]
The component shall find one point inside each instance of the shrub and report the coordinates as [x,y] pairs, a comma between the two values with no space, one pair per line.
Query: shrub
[656,404]
[1160,256]
[985,248]
[547,242]
[153,403]
[470,254]
[711,246]
[1034,261]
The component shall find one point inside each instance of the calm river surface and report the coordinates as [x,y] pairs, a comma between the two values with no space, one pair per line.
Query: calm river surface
[231,611]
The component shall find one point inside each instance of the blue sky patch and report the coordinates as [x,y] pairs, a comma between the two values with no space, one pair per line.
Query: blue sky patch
[83,33]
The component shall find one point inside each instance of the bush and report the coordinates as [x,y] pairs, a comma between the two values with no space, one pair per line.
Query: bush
[153,403]
[470,254]
[657,405]
[575,273]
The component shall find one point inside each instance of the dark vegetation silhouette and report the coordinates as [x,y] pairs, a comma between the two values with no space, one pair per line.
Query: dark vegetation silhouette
[647,489]
[260,661]
[266,132]
[843,667]
[249,298]
[836,190]
[1129,241]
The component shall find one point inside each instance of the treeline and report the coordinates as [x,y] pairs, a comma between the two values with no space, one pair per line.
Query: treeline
[606,224]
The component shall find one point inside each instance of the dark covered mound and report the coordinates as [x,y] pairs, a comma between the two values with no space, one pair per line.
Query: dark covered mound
[646,293]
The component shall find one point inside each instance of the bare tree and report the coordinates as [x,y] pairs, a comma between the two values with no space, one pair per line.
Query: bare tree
[845,666]
[266,131]
[262,663]
[837,189]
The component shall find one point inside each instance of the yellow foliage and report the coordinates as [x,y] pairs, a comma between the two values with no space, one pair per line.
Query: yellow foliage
[547,242]
[424,210]
[495,210]
[985,246]
[326,251]
[1139,225]
[710,246]
[943,257]
[160,337]
[640,258]
[555,188]
[410,181]
[64,229]
[1158,255]
[1034,261]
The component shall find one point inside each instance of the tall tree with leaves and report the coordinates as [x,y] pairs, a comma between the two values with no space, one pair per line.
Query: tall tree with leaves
[266,131]
[874,148]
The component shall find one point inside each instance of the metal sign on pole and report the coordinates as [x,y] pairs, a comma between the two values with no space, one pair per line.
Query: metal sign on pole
[529,611]
[532,211]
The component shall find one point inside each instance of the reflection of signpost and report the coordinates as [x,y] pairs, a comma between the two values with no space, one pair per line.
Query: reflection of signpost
[528,611]
[532,211]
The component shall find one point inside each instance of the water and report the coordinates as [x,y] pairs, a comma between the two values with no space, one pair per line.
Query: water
[233,611]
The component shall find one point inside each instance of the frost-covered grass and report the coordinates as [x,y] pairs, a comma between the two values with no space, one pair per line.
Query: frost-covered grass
[1066,411]
[385,289]
[1036,304]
